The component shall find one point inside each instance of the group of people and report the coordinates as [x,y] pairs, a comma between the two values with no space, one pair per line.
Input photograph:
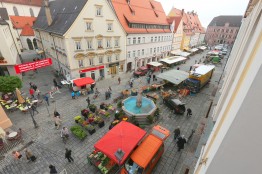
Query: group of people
[29,156]
[150,75]
[33,90]
[179,139]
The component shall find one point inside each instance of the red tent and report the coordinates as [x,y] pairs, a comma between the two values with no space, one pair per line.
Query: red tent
[83,81]
[124,136]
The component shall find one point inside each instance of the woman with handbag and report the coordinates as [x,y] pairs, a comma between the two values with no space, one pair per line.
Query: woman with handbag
[29,155]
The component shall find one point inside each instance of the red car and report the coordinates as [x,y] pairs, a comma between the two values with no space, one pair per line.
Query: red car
[141,71]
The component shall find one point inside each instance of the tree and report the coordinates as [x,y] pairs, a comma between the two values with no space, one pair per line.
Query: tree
[9,83]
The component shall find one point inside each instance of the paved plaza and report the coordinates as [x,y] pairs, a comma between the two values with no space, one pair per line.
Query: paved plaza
[47,144]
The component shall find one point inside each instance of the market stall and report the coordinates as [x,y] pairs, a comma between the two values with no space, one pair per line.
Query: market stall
[112,150]
[174,76]
[174,60]
[154,66]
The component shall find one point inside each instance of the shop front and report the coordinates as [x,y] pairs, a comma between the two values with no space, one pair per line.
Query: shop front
[93,72]
[113,68]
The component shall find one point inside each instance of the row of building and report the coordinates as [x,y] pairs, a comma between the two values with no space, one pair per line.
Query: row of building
[100,38]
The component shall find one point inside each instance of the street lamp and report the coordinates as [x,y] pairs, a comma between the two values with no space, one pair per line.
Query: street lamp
[31,114]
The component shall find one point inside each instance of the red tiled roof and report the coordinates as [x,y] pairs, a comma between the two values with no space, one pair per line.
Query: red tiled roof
[25,2]
[141,12]
[27,31]
[20,21]
[177,20]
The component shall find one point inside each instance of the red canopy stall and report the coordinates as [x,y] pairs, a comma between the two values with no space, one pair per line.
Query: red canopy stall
[83,81]
[124,136]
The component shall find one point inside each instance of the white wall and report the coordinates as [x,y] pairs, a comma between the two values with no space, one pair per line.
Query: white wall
[162,47]
[194,40]
[23,10]
[24,41]
[178,36]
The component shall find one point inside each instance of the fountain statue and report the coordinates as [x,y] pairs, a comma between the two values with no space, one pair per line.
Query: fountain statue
[139,99]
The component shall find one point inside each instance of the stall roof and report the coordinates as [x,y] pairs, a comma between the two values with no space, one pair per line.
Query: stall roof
[176,52]
[155,64]
[184,54]
[83,81]
[204,69]
[174,76]
[202,47]
[193,50]
[174,59]
[124,136]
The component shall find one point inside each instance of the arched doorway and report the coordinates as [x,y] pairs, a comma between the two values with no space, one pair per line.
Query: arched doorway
[35,43]
[129,66]
[29,43]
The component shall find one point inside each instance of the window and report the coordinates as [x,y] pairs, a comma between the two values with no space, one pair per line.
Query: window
[138,53]
[108,58]
[89,26]
[143,40]
[158,38]
[134,40]
[109,27]
[116,42]
[160,49]
[78,45]
[162,38]
[129,41]
[100,59]
[108,43]
[152,39]
[99,44]
[91,62]
[80,63]
[138,40]
[143,52]
[151,50]
[99,11]
[15,11]
[157,49]
[128,54]
[154,50]
[155,39]
[117,56]
[89,44]
[134,53]
[31,12]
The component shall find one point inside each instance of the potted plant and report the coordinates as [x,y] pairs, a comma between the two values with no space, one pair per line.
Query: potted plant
[85,112]
[77,118]
[92,108]
[99,121]
[78,131]
[119,104]
[90,129]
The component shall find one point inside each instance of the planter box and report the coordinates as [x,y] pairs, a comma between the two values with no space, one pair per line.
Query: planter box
[91,131]
[101,124]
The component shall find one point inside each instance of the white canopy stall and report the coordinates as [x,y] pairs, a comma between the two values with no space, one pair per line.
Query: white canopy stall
[174,76]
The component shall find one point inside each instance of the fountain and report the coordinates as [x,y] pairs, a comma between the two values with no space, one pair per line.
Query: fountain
[138,106]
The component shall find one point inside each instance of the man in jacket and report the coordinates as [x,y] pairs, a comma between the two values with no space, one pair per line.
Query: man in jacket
[68,155]
[181,142]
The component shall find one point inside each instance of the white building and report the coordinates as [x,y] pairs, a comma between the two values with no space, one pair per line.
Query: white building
[9,51]
[234,145]
[177,29]
[148,38]
[84,38]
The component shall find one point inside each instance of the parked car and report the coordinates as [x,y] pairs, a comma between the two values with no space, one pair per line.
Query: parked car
[141,71]
[175,104]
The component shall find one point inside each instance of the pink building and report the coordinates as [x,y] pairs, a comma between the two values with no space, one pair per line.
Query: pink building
[223,30]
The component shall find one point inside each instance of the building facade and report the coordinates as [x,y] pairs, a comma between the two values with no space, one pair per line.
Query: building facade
[234,143]
[148,38]
[223,30]
[177,29]
[88,42]
[9,50]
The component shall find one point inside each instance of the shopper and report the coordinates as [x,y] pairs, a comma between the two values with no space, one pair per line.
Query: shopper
[52,169]
[119,80]
[88,101]
[181,141]
[68,155]
[189,112]
[176,133]
[73,95]
[16,155]
[32,92]
[46,98]
[29,155]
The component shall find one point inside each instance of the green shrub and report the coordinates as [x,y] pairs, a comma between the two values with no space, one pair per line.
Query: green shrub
[150,119]
[79,132]
[119,104]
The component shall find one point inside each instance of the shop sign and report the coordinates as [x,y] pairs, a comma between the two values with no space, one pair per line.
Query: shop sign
[114,64]
[32,65]
[91,69]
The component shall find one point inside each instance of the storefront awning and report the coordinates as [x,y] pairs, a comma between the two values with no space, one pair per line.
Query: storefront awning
[176,52]
[156,64]
[202,47]
[193,50]
[174,76]
[83,81]
[124,136]
[203,69]
[172,60]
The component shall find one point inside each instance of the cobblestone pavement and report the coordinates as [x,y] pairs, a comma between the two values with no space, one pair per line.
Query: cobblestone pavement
[48,146]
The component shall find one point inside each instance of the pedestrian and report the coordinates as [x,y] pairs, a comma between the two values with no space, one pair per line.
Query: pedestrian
[162,70]
[131,84]
[64,133]
[190,68]
[88,101]
[78,94]
[16,155]
[178,68]
[189,112]
[106,95]
[31,84]
[46,98]
[55,83]
[58,122]
[52,169]
[34,87]
[154,77]
[148,80]
[119,80]
[181,142]
[176,133]
[73,95]
[29,155]
[68,155]
[32,92]
[34,106]
[109,88]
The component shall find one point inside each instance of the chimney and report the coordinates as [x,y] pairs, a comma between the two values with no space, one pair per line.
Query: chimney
[182,12]
[48,12]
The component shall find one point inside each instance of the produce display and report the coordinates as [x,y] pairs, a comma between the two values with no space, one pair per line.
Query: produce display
[78,131]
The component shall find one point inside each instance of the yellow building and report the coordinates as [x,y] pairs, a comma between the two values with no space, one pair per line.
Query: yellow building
[185,42]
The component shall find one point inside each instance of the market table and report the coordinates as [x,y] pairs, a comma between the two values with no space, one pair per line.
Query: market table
[12,135]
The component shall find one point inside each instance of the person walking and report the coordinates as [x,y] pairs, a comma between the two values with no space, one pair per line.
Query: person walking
[46,98]
[131,84]
[119,80]
[34,106]
[88,101]
[52,169]
[73,95]
[64,134]
[189,112]
[176,133]
[57,120]
[190,68]
[34,87]
[148,79]
[178,68]
[16,155]
[109,89]
[154,77]
[29,155]
[181,142]
[68,155]
[32,92]
[55,83]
